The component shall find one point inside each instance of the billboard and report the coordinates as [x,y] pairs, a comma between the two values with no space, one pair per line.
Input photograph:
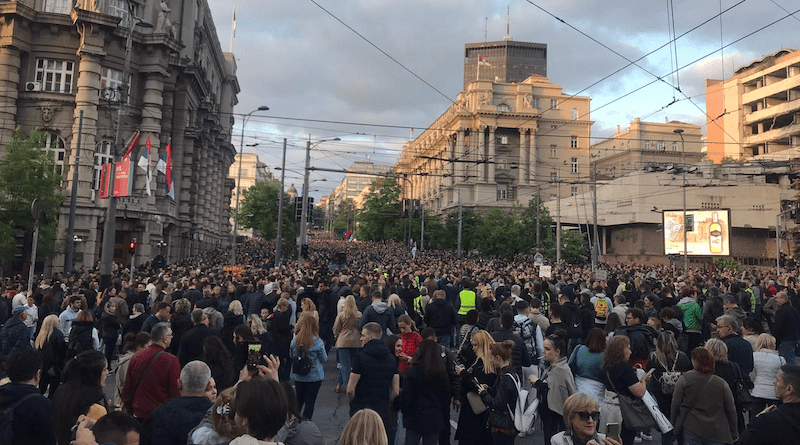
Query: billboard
[708,232]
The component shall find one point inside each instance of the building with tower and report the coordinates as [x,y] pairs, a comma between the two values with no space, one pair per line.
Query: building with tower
[128,65]
[506,61]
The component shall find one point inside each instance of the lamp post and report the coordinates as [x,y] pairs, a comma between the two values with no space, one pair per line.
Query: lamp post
[304,213]
[679,132]
[238,184]
[110,225]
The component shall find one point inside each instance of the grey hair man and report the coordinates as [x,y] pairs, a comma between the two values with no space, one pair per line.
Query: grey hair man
[173,421]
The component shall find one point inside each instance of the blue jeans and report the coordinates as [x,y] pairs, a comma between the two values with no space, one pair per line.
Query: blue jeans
[443,339]
[787,350]
[345,356]
[413,437]
[690,438]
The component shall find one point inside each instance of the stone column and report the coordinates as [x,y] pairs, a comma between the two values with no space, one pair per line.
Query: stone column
[151,128]
[480,155]
[459,157]
[492,164]
[533,149]
[523,171]
[9,85]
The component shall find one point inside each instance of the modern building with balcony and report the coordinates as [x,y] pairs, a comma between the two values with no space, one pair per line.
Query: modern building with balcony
[756,112]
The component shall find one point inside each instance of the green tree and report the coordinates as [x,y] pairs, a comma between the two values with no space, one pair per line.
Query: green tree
[28,173]
[498,233]
[345,217]
[470,221]
[380,218]
[574,247]
[259,211]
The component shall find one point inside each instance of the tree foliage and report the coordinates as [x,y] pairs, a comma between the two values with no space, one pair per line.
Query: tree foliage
[380,217]
[259,211]
[28,173]
[345,217]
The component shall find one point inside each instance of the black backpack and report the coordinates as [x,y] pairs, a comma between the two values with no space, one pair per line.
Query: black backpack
[301,365]
[7,419]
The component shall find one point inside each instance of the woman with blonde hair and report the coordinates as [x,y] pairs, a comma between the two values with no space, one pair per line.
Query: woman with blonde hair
[472,427]
[364,428]
[233,317]
[729,371]
[766,364]
[307,381]
[348,339]
[581,416]
[309,309]
[50,342]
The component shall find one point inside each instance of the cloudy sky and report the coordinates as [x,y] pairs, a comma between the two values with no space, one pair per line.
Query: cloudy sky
[370,71]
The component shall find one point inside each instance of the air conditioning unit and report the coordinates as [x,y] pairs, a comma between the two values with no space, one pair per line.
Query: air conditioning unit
[33,86]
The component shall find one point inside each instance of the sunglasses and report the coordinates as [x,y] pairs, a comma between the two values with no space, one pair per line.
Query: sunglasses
[586,416]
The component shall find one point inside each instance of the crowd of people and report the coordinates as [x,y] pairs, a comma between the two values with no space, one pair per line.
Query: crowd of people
[201,355]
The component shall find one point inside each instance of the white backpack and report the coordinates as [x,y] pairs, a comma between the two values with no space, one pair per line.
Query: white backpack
[523,413]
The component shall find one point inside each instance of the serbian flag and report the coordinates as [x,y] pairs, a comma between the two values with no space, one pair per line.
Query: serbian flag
[127,154]
[144,164]
[482,61]
[166,159]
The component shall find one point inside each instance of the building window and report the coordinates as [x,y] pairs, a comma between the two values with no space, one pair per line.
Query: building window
[661,146]
[54,75]
[574,114]
[535,102]
[554,175]
[573,165]
[647,145]
[573,142]
[674,146]
[502,192]
[102,155]
[120,8]
[503,140]
[554,127]
[501,162]
[554,104]
[112,87]
[553,151]
[58,6]
[573,190]
[55,145]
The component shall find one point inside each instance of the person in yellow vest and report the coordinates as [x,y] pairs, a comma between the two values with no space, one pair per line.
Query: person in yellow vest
[468,301]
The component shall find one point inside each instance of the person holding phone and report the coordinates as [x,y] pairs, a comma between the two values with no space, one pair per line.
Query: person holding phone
[581,416]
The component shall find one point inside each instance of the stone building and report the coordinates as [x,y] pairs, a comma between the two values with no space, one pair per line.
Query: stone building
[252,171]
[128,65]
[756,112]
[498,145]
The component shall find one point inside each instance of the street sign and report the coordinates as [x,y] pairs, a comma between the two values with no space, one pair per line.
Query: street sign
[537,259]
[544,271]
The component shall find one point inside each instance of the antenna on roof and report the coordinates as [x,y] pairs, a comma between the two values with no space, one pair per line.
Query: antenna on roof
[508,23]
[486,29]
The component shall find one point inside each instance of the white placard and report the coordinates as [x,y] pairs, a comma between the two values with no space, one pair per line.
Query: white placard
[544,271]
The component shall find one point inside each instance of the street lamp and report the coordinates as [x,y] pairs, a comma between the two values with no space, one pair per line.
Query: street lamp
[679,132]
[110,225]
[304,213]
[238,184]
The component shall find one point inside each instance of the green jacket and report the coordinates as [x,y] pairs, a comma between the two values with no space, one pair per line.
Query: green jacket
[692,314]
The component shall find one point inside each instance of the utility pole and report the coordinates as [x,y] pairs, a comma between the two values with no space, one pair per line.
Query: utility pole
[558,222]
[596,245]
[460,214]
[73,201]
[422,226]
[538,217]
[679,132]
[279,241]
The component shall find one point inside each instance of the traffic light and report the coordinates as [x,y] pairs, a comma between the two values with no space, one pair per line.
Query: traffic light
[304,250]
[298,208]
[132,247]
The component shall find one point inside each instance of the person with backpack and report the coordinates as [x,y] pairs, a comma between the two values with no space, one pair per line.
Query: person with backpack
[501,395]
[669,364]
[528,331]
[25,414]
[307,352]
[571,317]
[83,336]
[425,393]
[555,386]
[602,307]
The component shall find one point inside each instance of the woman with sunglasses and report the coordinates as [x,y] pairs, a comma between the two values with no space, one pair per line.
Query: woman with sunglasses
[581,417]
[555,386]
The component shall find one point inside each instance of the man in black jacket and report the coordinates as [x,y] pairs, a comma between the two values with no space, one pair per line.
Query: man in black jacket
[191,347]
[778,425]
[786,329]
[31,425]
[740,351]
[172,422]
[374,370]
[519,354]
[441,316]
[15,335]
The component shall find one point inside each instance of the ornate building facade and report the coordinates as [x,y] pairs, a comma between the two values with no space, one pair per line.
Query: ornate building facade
[126,65]
[499,145]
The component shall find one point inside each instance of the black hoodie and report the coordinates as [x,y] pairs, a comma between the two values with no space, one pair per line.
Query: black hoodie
[376,367]
[31,424]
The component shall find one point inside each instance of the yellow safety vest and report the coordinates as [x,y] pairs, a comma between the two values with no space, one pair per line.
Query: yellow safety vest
[467,298]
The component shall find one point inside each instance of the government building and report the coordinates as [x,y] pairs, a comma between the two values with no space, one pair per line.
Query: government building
[150,66]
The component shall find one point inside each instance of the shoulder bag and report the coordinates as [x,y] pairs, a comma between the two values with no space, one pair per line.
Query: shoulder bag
[635,413]
[127,399]
[684,409]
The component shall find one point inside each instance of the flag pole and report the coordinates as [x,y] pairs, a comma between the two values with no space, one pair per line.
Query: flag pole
[233,28]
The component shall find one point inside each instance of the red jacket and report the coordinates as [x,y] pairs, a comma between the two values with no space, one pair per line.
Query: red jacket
[411,341]
[159,385]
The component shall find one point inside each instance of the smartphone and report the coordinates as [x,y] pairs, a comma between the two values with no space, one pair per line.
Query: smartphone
[612,430]
[650,371]
[254,356]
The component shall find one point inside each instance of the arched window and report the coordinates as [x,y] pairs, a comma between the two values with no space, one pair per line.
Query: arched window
[55,145]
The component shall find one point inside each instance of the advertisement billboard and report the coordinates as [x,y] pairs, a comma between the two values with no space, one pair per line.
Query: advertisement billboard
[708,232]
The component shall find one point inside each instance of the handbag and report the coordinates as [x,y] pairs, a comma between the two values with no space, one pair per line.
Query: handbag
[669,378]
[475,403]
[741,389]
[635,413]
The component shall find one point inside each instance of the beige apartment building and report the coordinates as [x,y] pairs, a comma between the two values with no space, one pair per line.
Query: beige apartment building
[359,176]
[127,65]
[756,112]
[499,145]
[252,172]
